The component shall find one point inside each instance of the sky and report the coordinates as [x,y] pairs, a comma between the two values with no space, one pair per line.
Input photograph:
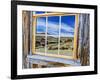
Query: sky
[66,30]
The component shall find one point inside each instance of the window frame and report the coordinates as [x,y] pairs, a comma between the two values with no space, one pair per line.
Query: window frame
[75,44]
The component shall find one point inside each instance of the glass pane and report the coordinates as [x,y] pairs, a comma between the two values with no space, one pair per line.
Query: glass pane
[53,25]
[52,34]
[52,44]
[40,34]
[40,44]
[67,35]
[41,26]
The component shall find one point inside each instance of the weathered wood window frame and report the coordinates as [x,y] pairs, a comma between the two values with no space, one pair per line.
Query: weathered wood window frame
[75,45]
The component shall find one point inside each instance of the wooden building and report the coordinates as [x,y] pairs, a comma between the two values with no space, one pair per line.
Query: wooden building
[81,43]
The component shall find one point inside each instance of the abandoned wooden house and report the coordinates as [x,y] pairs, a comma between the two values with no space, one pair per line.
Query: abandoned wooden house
[36,47]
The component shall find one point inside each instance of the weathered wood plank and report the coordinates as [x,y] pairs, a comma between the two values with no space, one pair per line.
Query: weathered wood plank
[56,55]
[84,39]
[38,58]
[75,51]
[25,37]
[53,14]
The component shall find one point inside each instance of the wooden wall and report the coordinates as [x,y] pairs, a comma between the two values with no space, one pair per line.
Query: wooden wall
[25,36]
[83,36]
[84,39]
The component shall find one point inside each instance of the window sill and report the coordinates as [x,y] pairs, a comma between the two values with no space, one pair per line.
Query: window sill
[37,57]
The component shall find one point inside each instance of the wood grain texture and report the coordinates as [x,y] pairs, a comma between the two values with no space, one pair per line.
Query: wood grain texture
[84,39]
[25,35]
[33,35]
[75,51]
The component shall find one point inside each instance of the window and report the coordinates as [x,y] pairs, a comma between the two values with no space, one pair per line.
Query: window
[55,34]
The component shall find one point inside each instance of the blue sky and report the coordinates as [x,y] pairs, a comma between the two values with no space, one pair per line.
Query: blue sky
[67,26]
[39,12]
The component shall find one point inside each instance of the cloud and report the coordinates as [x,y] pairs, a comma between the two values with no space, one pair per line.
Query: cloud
[53,28]
[67,28]
[41,25]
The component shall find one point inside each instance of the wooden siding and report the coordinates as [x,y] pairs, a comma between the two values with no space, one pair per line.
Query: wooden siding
[25,36]
[84,39]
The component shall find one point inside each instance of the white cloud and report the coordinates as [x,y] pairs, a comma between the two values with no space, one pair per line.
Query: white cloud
[41,22]
[67,27]
[66,35]
[53,28]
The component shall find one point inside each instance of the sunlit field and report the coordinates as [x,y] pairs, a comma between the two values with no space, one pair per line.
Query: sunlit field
[53,46]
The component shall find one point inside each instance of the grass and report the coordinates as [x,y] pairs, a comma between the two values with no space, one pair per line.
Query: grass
[66,52]
[52,51]
[42,50]
[62,52]
[66,45]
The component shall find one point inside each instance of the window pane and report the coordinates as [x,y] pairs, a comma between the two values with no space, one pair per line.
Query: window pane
[67,35]
[53,25]
[40,44]
[52,34]
[52,44]
[41,26]
[40,34]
